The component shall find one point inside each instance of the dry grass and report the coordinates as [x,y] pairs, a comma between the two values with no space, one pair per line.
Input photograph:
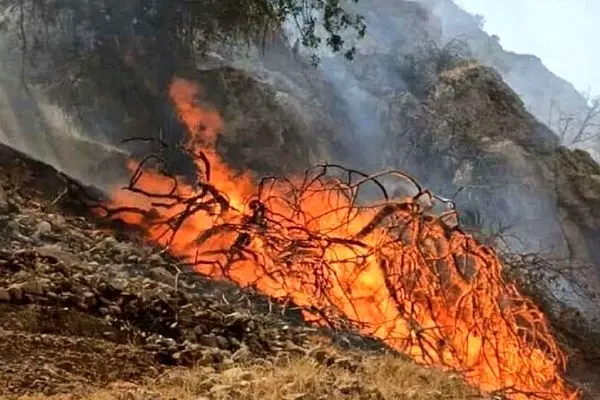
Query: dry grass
[294,378]
[459,70]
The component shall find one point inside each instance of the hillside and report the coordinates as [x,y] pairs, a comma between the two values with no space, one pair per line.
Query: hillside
[197,167]
[86,313]
[547,96]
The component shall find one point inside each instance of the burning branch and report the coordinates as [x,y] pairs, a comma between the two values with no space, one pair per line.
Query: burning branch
[387,267]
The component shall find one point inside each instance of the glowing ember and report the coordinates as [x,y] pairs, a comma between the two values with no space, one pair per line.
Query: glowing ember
[393,273]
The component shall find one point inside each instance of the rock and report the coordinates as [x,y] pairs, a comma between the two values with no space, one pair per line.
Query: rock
[227,362]
[349,387]
[21,275]
[232,373]
[242,354]
[222,342]
[123,385]
[346,363]
[58,253]
[16,292]
[109,335]
[209,340]
[14,226]
[35,287]
[87,299]
[57,220]
[114,309]
[155,259]
[246,376]
[43,228]
[207,370]
[4,295]
[125,249]
[214,355]
[293,347]
[296,396]
[220,388]
[108,243]
[4,206]
[319,354]
[162,275]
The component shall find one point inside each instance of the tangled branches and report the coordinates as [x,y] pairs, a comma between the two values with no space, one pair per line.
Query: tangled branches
[566,290]
[389,268]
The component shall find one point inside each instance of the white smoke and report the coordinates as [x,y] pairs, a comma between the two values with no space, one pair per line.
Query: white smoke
[33,125]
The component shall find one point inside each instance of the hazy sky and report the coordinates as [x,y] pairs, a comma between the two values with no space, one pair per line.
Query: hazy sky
[565,34]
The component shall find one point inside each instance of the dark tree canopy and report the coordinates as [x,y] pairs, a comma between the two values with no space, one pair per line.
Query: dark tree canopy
[83,25]
[118,56]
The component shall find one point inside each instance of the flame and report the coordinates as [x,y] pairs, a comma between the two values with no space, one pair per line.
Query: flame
[426,290]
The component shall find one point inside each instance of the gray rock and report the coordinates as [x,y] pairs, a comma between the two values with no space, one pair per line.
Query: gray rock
[155,259]
[209,340]
[114,309]
[14,226]
[242,354]
[43,229]
[162,275]
[34,287]
[223,342]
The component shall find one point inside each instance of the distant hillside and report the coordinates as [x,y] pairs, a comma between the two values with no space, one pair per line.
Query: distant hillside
[547,96]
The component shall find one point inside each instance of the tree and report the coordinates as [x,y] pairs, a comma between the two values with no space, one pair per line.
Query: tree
[118,56]
[577,130]
[479,20]
[191,23]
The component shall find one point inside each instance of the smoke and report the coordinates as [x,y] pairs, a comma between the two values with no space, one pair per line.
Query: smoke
[551,99]
[404,39]
[33,125]
[364,81]
[511,201]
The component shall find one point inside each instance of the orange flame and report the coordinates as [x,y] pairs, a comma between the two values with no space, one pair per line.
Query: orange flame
[432,293]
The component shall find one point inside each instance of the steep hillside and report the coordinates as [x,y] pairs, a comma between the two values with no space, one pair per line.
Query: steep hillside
[548,97]
[216,121]
[485,143]
[502,166]
[85,313]
[432,112]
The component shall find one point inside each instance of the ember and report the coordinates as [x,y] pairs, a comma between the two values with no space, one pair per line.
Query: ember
[386,268]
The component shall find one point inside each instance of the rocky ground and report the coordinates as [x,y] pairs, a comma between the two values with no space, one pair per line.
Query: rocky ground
[85,313]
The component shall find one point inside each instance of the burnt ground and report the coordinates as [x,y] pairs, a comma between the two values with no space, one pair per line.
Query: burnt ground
[82,305]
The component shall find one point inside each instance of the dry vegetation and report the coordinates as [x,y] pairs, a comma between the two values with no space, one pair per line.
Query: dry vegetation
[294,378]
[55,345]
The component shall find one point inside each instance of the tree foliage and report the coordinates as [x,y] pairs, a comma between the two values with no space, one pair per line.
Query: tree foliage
[84,25]
[119,55]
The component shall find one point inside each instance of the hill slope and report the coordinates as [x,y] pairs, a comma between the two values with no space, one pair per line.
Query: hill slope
[86,313]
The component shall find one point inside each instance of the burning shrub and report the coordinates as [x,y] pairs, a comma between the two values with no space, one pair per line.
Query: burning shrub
[564,290]
[387,268]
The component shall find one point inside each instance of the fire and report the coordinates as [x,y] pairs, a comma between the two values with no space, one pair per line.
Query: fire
[386,268]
